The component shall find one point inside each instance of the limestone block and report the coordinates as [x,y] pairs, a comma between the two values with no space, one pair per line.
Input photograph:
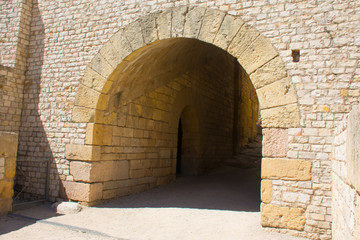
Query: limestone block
[282,217]
[111,54]
[100,65]
[266,191]
[8,152]
[271,72]
[110,170]
[282,117]
[286,169]
[98,134]
[93,80]
[87,97]
[6,189]
[164,24]
[5,206]
[193,22]
[133,33]
[116,184]
[149,30]
[83,114]
[115,193]
[276,94]
[121,44]
[81,171]
[228,29]
[82,152]
[210,25]
[77,191]
[178,21]
[257,54]
[274,142]
[245,36]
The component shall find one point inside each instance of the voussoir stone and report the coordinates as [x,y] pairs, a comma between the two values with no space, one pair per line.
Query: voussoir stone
[178,21]
[210,25]
[281,117]
[149,30]
[245,36]
[163,21]
[133,33]
[193,22]
[228,29]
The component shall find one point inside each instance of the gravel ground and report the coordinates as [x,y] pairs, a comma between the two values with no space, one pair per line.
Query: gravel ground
[221,205]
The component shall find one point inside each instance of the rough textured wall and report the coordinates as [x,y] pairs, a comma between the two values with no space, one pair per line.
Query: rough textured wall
[326,80]
[345,175]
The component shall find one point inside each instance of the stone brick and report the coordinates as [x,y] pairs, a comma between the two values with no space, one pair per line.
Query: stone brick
[101,66]
[286,169]
[82,152]
[281,117]
[149,30]
[178,21]
[193,22]
[133,33]
[282,217]
[6,189]
[274,142]
[266,191]
[210,25]
[98,134]
[228,29]
[244,37]
[276,94]
[77,191]
[164,24]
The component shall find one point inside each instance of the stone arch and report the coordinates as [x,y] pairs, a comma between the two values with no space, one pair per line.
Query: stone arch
[275,91]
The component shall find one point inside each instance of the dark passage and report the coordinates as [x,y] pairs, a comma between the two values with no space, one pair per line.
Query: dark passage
[179,146]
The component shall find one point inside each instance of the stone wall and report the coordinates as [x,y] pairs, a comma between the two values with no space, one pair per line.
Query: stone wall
[345,178]
[66,35]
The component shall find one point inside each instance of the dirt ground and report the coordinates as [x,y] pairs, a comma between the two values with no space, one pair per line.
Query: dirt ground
[221,205]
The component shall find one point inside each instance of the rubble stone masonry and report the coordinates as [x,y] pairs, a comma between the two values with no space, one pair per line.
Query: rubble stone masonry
[57,93]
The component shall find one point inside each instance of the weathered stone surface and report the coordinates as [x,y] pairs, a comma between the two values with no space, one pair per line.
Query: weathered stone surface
[83,114]
[271,72]
[6,189]
[281,117]
[93,80]
[245,36]
[274,142]
[8,153]
[101,66]
[77,191]
[178,20]
[81,171]
[266,191]
[228,29]
[82,152]
[149,30]
[193,22]
[121,44]
[87,97]
[164,24]
[257,54]
[286,169]
[111,54]
[282,217]
[98,134]
[133,33]
[210,25]
[67,207]
[276,94]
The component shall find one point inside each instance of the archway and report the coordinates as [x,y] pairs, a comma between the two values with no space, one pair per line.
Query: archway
[101,91]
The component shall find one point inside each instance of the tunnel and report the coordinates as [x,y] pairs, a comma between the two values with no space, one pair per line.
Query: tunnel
[178,107]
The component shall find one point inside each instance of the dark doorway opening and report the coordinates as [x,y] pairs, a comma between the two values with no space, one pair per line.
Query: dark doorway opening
[179,147]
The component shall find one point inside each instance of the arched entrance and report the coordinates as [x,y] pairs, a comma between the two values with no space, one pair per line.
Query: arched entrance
[120,107]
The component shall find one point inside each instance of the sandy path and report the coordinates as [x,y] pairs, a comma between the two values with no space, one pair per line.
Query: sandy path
[221,205]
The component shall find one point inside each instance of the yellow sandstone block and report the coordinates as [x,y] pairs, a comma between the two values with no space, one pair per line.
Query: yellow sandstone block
[286,169]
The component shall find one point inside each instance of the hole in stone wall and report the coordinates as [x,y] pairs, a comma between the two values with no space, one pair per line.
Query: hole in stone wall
[295,55]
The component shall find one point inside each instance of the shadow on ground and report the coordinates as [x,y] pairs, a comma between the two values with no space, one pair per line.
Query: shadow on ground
[226,188]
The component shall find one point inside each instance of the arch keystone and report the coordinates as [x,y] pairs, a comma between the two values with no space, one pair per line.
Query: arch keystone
[178,21]
[210,25]
[193,22]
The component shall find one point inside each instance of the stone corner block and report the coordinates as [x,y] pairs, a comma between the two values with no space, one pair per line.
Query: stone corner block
[82,152]
[286,169]
[98,134]
[78,191]
[266,191]
[282,217]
